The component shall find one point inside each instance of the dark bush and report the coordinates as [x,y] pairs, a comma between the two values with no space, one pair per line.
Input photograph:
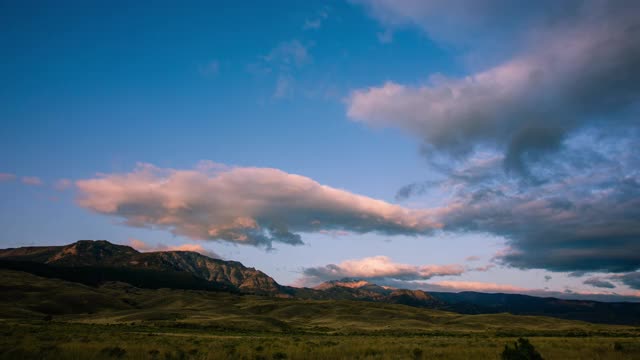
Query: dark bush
[417,353]
[279,356]
[114,351]
[521,350]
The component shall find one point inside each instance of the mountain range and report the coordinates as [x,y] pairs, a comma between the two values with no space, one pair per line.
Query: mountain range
[97,262]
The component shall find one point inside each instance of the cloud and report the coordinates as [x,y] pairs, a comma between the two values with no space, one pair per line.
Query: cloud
[539,147]
[283,62]
[253,206]
[145,247]
[288,54]
[571,77]
[599,283]
[456,286]
[377,268]
[31,180]
[484,268]
[210,69]
[490,287]
[316,22]
[632,280]
[472,258]
[284,87]
[582,215]
[63,184]
[7,177]
[385,37]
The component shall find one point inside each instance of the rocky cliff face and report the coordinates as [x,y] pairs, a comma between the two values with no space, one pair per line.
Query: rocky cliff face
[105,254]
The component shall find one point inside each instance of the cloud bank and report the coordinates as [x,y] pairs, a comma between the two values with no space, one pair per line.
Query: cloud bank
[540,147]
[376,268]
[529,103]
[254,206]
[31,180]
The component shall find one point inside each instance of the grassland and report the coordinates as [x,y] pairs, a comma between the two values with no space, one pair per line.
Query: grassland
[53,319]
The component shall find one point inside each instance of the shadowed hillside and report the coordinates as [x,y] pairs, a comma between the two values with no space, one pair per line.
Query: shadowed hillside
[97,262]
[47,318]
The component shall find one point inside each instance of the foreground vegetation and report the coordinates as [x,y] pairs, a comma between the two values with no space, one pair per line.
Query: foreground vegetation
[53,319]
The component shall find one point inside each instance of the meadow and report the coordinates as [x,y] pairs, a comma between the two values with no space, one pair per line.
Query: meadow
[53,319]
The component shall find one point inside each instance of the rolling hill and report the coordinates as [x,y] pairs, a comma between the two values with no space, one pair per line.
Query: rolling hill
[95,263]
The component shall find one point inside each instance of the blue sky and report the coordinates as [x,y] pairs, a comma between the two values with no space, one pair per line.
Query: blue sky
[349,95]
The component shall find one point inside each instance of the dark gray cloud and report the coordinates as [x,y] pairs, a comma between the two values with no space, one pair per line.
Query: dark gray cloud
[632,280]
[599,283]
[558,116]
[577,218]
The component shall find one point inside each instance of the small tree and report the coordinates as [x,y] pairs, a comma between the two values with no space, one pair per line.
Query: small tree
[521,350]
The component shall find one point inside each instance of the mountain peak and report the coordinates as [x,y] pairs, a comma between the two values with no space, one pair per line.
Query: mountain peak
[102,253]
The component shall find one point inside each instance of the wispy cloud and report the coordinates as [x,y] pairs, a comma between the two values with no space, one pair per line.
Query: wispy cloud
[385,37]
[288,54]
[456,286]
[7,177]
[599,283]
[32,180]
[283,61]
[63,184]
[253,206]
[212,68]
[316,22]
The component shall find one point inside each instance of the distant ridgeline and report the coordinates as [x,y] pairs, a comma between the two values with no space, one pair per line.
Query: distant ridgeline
[94,263]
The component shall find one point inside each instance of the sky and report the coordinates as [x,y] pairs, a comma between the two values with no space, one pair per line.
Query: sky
[437,145]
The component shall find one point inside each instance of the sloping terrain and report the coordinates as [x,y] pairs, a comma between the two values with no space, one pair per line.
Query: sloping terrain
[28,296]
[97,262]
[44,318]
[103,254]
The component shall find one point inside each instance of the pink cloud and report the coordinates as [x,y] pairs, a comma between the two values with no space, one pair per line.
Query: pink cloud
[377,267]
[477,286]
[63,184]
[483,268]
[7,177]
[32,180]
[254,206]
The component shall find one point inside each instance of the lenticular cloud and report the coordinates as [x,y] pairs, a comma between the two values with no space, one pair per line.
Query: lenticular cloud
[254,206]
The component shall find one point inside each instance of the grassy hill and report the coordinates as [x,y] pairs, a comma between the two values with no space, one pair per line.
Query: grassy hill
[55,319]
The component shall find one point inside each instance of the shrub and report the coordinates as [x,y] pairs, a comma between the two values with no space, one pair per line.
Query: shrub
[279,356]
[521,350]
[417,353]
[114,351]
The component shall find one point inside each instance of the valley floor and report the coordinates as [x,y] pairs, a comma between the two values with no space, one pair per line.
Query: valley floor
[39,340]
[42,318]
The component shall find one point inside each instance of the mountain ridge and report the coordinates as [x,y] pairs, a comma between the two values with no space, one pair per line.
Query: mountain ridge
[95,262]
[105,254]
